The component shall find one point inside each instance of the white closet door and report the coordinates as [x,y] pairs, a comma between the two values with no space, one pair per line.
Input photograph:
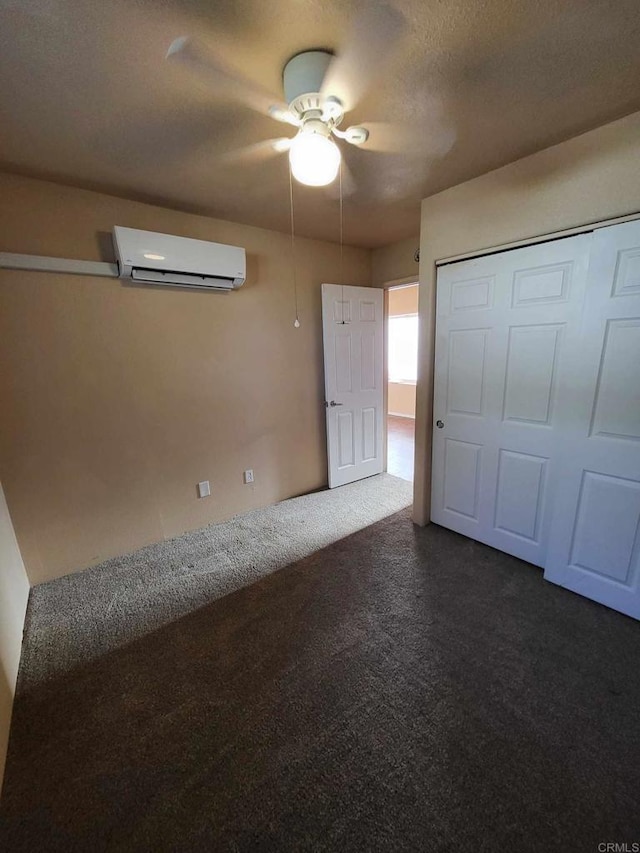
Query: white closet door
[594,546]
[504,325]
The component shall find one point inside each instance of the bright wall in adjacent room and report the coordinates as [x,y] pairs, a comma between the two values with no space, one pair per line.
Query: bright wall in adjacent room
[401,399]
[118,400]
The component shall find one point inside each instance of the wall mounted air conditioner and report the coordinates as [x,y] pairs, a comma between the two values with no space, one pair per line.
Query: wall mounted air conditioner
[152,258]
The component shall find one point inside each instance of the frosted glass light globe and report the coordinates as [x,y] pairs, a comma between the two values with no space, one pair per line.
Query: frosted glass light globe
[314,159]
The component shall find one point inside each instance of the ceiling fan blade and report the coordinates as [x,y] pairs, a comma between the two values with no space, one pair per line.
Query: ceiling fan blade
[376,30]
[227,83]
[256,153]
[186,133]
[432,139]
[281,112]
[349,186]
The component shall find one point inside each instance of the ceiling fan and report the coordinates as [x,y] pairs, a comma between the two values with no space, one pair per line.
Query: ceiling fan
[319,89]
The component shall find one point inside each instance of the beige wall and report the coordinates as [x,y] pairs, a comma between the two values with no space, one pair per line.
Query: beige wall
[117,400]
[593,177]
[14,593]
[395,262]
[401,399]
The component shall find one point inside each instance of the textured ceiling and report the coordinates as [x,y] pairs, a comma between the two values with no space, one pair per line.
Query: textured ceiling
[87,99]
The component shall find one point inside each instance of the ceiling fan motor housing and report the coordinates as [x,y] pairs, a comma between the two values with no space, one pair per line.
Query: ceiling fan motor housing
[305,73]
[315,111]
[313,125]
[303,77]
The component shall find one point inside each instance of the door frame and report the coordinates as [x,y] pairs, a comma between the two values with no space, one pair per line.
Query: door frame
[422,483]
[396,283]
[356,398]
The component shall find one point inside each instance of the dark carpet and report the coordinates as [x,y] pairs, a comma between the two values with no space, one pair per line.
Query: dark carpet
[402,689]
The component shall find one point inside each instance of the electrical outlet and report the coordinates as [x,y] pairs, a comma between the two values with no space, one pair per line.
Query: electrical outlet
[248,475]
[204,489]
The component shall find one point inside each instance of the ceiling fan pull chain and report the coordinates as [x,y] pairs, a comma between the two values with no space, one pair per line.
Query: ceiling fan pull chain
[296,322]
[341,241]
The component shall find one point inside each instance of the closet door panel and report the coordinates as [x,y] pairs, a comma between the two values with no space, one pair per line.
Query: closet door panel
[594,547]
[504,324]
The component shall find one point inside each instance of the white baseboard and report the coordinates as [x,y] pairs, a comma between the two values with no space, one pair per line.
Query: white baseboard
[402,415]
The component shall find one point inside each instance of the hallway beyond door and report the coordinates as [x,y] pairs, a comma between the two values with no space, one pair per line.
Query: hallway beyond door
[400,444]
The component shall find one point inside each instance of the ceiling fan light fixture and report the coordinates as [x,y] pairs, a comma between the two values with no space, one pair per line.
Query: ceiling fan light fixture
[314,158]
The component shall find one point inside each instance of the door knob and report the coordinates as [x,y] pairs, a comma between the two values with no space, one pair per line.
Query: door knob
[439,424]
[333,403]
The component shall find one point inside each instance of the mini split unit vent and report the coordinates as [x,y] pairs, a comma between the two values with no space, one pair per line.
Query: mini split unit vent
[152,258]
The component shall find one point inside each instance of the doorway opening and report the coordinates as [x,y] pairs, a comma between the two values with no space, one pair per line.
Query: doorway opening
[402,373]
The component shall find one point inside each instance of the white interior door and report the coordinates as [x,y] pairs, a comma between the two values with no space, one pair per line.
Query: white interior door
[353,334]
[594,547]
[505,323]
